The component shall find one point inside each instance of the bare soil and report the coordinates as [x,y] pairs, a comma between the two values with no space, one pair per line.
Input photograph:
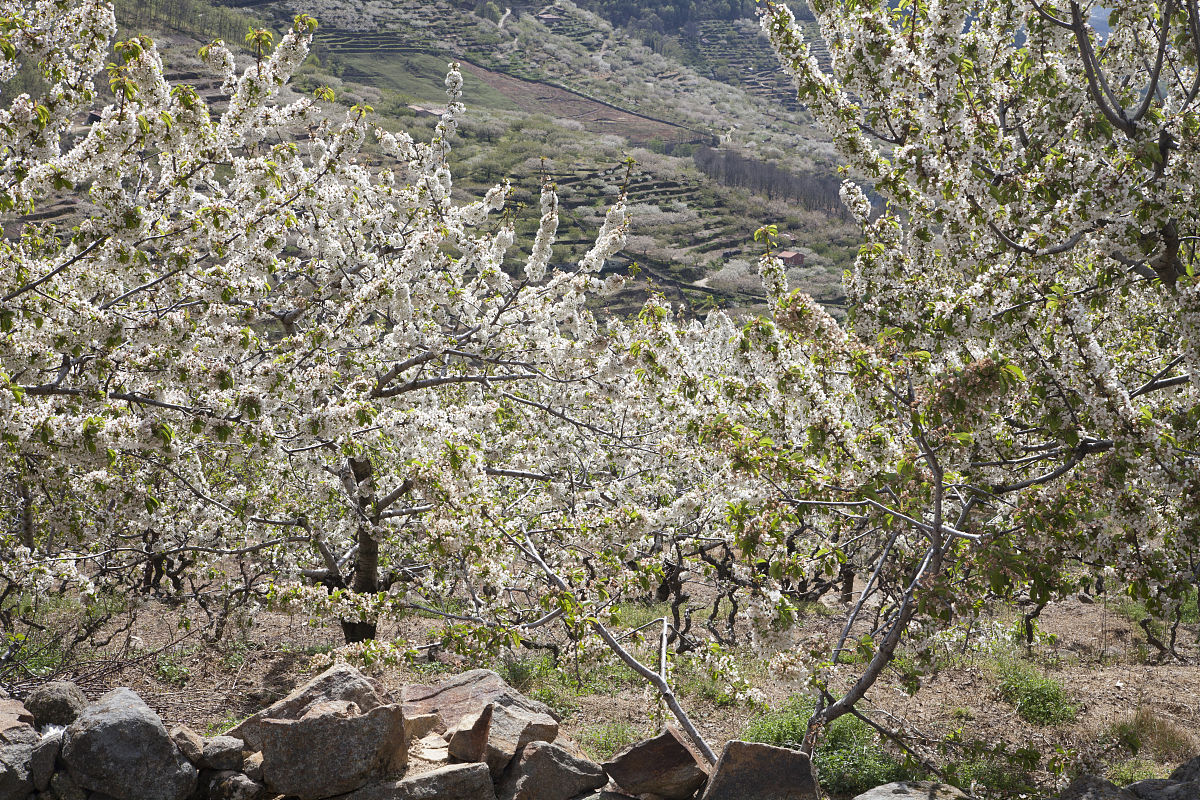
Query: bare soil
[542,98]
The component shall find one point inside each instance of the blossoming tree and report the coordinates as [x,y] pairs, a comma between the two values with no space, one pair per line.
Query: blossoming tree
[256,349]
[1013,404]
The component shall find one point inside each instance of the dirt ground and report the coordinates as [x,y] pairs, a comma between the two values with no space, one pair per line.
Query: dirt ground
[1098,654]
[542,98]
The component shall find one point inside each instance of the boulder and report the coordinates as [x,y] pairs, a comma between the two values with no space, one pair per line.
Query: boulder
[913,790]
[221,753]
[667,765]
[545,771]
[1180,791]
[119,747]
[464,694]
[56,703]
[761,771]
[190,743]
[511,729]
[455,782]
[231,785]
[417,727]
[1164,789]
[468,739]
[570,745]
[1187,771]
[18,738]
[331,750]
[252,766]
[1090,787]
[339,682]
[13,713]
[45,754]
[1149,788]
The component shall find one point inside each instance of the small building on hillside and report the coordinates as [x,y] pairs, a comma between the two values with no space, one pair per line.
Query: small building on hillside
[791,258]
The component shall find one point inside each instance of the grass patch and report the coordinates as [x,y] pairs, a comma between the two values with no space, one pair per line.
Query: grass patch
[636,614]
[312,649]
[1144,732]
[418,78]
[849,758]
[605,740]
[1038,698]
[995,777]
[705,685]
[1132,770]
[225,723]
[560,685]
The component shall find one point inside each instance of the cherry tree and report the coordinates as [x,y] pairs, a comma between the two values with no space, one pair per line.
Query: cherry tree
[269,366]
[258,358]
[1012,406]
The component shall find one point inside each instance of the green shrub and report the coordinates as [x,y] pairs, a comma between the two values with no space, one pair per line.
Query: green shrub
[170,667]
[1038,698]
[849,758]
[782,728]
[997,776]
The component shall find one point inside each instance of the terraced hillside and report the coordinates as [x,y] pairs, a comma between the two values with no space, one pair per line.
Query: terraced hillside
[689,239]
[738,53]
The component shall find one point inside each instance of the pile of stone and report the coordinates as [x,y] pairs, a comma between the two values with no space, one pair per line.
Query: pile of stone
[470,737]
[339,737]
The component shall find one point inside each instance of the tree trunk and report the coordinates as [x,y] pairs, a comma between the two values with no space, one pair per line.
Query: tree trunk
[354,632]
[366,581]
[366,561]
[847,578]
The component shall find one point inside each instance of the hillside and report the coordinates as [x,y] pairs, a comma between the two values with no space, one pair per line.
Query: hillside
[559,89]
